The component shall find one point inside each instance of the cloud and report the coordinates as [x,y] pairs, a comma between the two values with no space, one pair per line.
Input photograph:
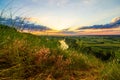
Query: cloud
[54,2]
[58,2]
[64,2]
[35,0]
[113,28]
[115,19]
[28,23]
[68,32]
[110,31]
[115,23]
[88,2]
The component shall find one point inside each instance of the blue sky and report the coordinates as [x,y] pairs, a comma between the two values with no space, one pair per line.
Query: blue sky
[61,14]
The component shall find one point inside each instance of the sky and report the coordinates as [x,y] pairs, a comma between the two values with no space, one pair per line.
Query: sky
[63,14]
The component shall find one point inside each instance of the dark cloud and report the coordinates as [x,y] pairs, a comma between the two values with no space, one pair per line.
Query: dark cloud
[113,24]
[19,22]
[68,32]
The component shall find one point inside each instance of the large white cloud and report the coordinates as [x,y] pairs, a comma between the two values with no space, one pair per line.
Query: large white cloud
[115,19]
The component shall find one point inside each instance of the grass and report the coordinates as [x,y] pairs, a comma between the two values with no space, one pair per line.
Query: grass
[26,56]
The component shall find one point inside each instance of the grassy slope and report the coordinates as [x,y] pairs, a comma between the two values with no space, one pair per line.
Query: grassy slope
[25,56]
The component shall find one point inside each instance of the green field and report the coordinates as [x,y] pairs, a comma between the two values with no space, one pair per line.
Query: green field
[25,56]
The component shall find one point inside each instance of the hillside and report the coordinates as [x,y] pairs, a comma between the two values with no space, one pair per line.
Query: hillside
[26,56]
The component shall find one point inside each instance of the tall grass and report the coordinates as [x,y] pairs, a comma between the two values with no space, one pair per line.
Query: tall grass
[25,56]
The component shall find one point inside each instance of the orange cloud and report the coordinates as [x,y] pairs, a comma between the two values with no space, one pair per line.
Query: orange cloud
[111,31]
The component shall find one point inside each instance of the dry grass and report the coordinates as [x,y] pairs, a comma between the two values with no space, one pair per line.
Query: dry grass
[28,57]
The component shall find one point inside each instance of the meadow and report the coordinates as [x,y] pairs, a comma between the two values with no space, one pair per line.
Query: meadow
[24,56]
